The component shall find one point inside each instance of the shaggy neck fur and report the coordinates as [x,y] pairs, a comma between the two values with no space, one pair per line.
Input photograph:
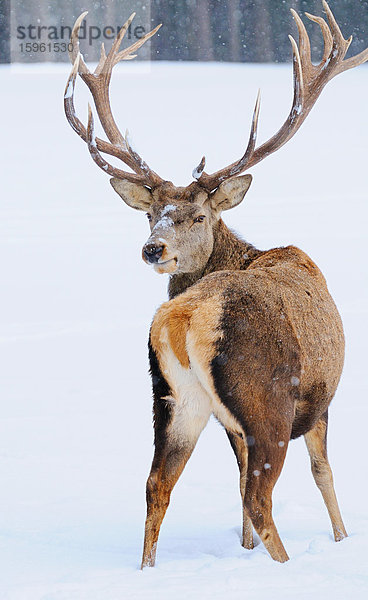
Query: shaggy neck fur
[229,253]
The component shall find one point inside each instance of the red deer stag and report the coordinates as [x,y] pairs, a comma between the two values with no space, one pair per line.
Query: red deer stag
[250,336]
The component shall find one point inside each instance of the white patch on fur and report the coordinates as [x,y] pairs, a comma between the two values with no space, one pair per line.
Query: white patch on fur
[204,376]
[193,395]
[192,405]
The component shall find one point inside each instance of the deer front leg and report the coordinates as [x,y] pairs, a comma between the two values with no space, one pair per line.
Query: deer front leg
[241,452]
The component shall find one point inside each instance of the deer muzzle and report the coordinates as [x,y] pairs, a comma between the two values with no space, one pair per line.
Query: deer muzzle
[152,252]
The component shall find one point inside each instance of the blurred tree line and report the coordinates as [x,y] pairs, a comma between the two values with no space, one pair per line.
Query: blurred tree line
[221,30]
[247,31]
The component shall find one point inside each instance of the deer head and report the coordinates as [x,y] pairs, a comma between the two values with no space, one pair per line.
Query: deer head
[183,220]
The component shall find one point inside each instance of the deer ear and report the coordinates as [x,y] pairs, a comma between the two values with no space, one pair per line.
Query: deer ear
[230,193]
[134,194]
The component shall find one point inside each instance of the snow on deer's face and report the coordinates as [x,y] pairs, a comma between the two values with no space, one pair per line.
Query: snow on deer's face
[181,239]
[181,220]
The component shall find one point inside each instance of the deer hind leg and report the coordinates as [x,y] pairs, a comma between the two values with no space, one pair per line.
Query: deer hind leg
[241,452]
[316,441]
[265,460]
[168,464]
[179,419]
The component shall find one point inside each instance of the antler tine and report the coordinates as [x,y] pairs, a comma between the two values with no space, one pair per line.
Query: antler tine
[354,61]
[101,162]
[252,139]
[298,79]
[69,100]
[211,181]
[112,55]
[309,80]
[74,41]
[197,172]
[339,42]
[126,54]
[326,33]
[304,43]
[102,60]
[98,83]
[349,63]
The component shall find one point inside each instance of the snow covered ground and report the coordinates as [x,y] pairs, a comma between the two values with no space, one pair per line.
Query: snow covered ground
[76,304]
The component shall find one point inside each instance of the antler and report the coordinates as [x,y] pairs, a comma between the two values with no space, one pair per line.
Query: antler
[309,81]
[98,83]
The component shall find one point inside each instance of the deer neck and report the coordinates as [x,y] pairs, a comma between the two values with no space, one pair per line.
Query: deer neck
[230,253]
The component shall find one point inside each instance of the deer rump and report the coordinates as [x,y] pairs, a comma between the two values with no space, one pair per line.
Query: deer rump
[259,347]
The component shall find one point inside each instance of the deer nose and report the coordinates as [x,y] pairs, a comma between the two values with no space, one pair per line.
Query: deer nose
[153,252]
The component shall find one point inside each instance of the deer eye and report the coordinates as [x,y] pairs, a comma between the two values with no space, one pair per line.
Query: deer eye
[149,217]
[199,219]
